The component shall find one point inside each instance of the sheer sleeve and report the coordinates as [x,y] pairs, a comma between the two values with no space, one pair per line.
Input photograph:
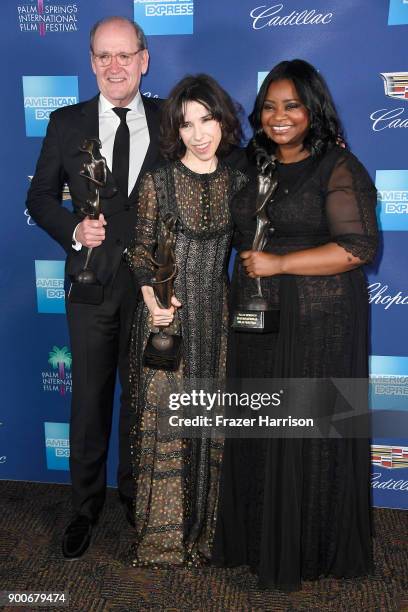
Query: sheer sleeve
[144,242]
[350,208]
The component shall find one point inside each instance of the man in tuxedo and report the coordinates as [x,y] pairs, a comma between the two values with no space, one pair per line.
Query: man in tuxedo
[99,332]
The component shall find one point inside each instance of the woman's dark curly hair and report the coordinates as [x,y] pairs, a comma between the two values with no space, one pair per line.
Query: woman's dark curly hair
[203,89]
[325,126]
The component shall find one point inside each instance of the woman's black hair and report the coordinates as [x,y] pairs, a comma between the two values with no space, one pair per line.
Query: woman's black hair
[325,126]
[203,89]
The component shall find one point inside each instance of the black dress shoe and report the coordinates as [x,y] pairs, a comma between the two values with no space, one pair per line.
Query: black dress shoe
[77,537]
[128,507]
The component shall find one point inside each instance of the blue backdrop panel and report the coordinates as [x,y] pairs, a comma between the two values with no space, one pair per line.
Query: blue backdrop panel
[359,47]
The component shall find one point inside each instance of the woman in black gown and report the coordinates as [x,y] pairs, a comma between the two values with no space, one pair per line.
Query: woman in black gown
[176,479]
[296,509]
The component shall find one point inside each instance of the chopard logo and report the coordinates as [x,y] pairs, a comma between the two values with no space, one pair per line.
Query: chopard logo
[379,294]
[264,16]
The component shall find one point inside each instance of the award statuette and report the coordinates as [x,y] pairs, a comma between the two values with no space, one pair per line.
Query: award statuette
[255,314]
[86,289]
[163,348]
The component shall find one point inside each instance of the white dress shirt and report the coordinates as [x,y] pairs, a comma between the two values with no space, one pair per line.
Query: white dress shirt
[139,139]
[139,134]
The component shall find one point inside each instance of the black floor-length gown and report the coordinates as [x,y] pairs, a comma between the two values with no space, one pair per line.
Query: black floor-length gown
[297,509]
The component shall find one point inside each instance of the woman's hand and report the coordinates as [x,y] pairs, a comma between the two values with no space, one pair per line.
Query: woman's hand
[175,302]
[161,317]
[258,263]
[324,260]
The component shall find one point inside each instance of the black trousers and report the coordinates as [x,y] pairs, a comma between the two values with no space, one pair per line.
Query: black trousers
[100,337]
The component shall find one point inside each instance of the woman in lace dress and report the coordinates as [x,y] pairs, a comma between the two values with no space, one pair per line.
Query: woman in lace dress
[297,509]
[177,479]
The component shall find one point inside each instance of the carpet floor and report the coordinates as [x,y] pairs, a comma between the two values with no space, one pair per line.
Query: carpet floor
[33,517]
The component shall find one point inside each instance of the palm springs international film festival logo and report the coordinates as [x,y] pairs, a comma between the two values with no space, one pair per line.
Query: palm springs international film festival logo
[398,13]
[49,280]
[392,197]
[57,445]
[165,16]
[57,378]
[44,94]
[395,87]
[44,16]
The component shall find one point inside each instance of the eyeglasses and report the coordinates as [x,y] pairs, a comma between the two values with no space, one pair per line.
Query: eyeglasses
[123,59]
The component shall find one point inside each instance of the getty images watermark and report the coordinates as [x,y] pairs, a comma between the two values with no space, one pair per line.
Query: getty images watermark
[223,399]
[273,408]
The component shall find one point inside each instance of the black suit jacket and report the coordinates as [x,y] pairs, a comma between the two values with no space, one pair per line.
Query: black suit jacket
[60,161]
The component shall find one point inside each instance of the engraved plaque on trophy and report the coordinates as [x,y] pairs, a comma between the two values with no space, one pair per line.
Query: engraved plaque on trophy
[163,348]
[86,289]
[255,314]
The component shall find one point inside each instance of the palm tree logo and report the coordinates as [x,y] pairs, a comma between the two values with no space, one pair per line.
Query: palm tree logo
[60,358]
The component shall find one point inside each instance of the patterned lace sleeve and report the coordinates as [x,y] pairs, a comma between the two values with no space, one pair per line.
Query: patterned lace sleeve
[350,207]
[144,242]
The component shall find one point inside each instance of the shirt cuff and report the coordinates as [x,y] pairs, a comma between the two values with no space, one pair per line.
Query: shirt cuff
[76,245]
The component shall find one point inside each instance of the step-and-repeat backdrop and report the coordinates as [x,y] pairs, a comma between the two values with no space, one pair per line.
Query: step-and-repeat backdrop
[361,49]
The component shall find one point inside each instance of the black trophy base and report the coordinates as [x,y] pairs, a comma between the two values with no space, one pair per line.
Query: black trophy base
[85,293]
[163,359]
[256,321]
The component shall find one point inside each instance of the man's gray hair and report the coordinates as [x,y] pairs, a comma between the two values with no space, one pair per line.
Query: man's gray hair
[140,35]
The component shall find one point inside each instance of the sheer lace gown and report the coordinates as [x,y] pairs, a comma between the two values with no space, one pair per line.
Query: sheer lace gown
[177,480]
[293,509]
